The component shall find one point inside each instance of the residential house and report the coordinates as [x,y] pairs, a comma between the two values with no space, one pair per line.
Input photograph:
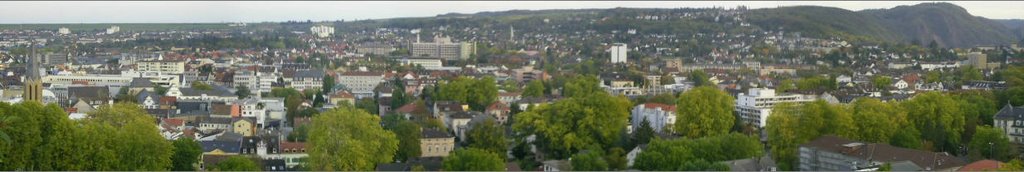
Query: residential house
[500,111]
[1011,120]
[243,126]
[434,143]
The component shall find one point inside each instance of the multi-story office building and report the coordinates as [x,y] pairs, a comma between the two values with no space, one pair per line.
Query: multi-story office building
[755,106]
[443,48]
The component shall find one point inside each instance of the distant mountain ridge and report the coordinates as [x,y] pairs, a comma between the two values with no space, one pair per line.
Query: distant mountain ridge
[946,24]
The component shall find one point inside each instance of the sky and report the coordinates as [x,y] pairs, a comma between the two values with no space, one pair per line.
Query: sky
[23,12]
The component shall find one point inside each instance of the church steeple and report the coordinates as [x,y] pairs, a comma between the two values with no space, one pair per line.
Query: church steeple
[33,88]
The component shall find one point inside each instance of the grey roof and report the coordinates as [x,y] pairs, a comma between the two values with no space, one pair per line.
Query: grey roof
[90,93]
[216,91]
[212,120]
[226,146]
[141,82]
[1010,113]
[429,133]
[143,94]
[309,74]
[465,114]
[274,165]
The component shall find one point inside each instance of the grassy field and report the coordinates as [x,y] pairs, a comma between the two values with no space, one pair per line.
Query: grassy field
[124,26]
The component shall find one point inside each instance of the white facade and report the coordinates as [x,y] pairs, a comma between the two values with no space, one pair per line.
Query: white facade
[619,51]
[660,116]
[162,66]
[426,63]
[95,79]
[361,83]
[322,31]
[64,31]
[755,106]
[113,29]
[443,48]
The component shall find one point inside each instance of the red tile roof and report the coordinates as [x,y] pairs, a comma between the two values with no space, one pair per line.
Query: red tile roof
[659,105]
[982,165]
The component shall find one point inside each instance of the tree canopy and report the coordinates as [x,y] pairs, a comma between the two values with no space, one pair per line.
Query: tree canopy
[346,138]
[704,111]
[473,159]
[697,154]
[590,117]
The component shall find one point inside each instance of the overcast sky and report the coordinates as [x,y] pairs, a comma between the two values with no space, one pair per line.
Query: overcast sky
[260,11]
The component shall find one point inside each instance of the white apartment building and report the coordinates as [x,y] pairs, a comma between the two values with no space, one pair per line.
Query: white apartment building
[174,67]
[94,79]
[308,79]
[64,31]
[253,108]
[443,48]
[619,51]
[255,81]
[426,63]
[755,106]
[113,29]
[661,116]
[322,31]
[361,83]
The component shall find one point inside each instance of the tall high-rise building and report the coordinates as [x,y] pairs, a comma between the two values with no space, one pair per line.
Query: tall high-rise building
[618,51]
[33,88]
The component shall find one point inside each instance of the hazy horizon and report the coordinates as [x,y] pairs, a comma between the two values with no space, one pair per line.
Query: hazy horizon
[64,12]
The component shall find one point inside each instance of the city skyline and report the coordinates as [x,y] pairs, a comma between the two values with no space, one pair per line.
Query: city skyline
[277,11]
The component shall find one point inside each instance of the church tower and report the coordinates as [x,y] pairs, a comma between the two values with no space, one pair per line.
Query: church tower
[33,88]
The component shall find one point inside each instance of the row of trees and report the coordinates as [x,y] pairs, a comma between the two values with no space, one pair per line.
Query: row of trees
[930,121]
[117,137]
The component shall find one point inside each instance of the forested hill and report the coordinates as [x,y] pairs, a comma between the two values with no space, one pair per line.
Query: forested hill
[946,24]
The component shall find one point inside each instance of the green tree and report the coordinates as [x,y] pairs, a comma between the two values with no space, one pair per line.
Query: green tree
[242,92]
[697,154]
[368,105]
[489,136]
[201,86]
[477,93]
[704,111]
[938,117]
[667,79]
[346,138]
[408,134]
[236,163]
[590,117]
[139,145]
[299,134]
[588,161]
[1012,165]
[644,133]
[784,86]
[881,82]
[534,89]
[473,159]
[907,137]
[328,84]
[616,158]
[877,121]
[186,154]
[699,78]
[990,143]
[793,124]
